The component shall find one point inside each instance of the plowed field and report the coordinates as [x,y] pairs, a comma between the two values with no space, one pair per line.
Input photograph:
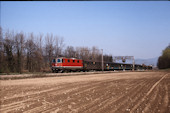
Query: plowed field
[131,92]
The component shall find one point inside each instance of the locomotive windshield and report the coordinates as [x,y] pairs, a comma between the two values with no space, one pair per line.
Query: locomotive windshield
[59,60]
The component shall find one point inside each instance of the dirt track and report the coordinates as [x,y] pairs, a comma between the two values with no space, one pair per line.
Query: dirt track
[134,92]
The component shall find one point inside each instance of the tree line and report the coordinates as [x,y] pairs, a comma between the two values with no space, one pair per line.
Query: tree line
[164,59]
[34,53]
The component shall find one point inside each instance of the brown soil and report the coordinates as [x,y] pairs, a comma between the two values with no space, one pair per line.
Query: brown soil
[129,92]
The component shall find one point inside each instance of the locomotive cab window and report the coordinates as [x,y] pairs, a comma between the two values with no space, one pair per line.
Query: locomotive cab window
[77,61]
[58,60]
[73,61]
[53,61]
[68,60]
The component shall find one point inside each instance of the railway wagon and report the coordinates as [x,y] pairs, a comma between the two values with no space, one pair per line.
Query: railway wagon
[118,66]
[93,65]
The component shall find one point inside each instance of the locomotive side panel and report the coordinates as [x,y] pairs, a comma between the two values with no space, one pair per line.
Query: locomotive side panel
[72,63]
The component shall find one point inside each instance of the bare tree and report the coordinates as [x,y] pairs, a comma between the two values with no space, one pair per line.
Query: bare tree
[31,49]
[58,46]
[95,53]
[84,53]
[70,52]
[19,52]
[19,45]
[2,63]
[49,48]
[8,49]
[77,52]
[39,53]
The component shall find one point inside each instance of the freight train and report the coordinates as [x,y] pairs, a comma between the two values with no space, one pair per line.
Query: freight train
[63,64]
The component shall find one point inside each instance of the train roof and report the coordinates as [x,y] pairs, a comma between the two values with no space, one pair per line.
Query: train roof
[100,61]
[68,58]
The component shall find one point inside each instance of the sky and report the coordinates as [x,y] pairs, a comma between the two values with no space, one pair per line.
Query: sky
[121,28]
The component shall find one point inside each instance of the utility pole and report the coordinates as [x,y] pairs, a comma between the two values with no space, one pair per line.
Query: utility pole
[133,63]
[102,60]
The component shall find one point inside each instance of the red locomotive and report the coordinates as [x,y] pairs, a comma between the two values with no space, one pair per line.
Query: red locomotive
[66,64]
